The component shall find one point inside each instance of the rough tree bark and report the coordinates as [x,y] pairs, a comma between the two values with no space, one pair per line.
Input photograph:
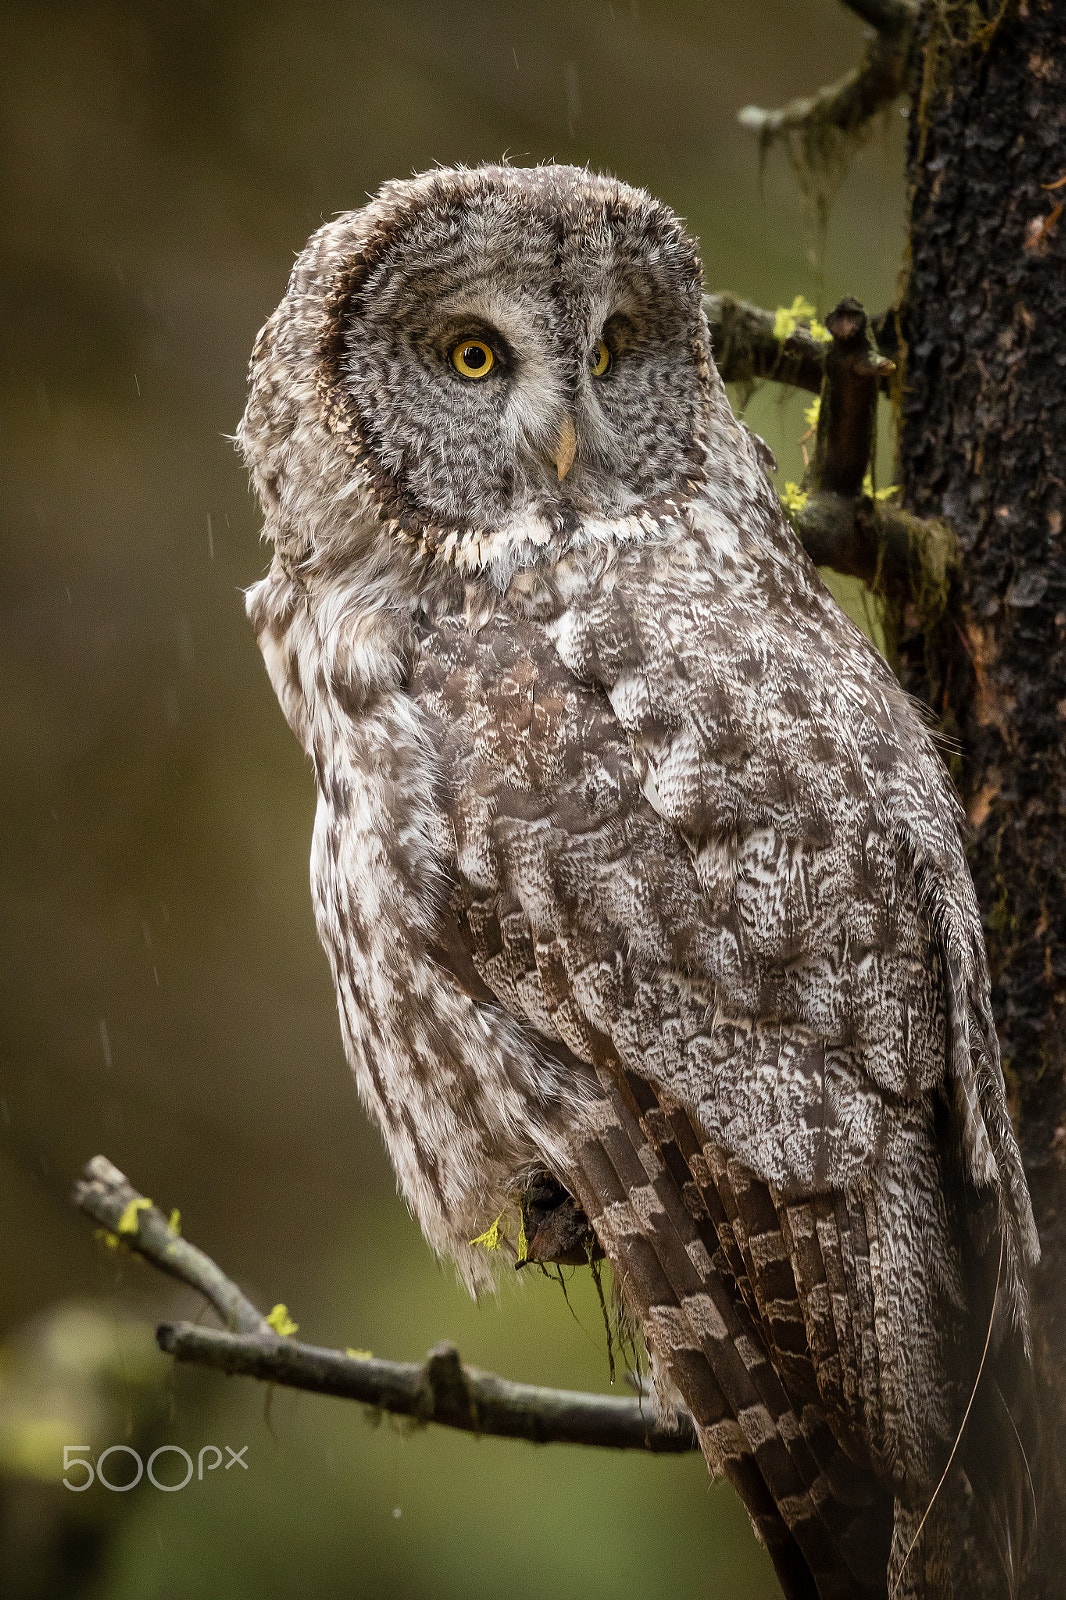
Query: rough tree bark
[983,427]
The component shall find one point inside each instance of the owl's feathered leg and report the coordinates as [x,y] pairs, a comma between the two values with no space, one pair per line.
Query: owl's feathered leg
[554,1227]
[713,1350]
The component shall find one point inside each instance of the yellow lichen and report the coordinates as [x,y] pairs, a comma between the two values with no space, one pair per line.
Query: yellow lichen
[281,1322]
[493,1237]
[878,494]
[800,313]
[794,498]
[128,1221]
[359,1355]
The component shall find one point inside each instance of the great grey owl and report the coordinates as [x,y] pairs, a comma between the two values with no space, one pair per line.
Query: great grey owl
[639,876]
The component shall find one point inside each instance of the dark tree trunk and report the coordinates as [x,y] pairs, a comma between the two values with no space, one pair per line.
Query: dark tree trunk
[983,444]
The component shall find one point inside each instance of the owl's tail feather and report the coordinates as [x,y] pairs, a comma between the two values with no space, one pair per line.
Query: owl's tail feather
[974,1536]
[825,1523]
[977,1531]
[995,1463]
[934,1549]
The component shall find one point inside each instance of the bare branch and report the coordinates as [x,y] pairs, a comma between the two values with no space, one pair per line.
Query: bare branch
[848,410]
[439,1390]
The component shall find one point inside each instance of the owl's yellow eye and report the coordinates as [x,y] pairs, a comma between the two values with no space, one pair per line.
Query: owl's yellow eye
[600,360]
[473,358]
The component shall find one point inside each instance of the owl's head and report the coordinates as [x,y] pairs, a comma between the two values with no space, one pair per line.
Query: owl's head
[498,353]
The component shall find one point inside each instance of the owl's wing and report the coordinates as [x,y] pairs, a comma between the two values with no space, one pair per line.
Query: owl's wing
[752,1304]
[826,838]
[714,855]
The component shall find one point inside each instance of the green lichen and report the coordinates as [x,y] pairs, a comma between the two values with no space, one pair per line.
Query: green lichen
[799,314]
[281,1322]
[128,1221]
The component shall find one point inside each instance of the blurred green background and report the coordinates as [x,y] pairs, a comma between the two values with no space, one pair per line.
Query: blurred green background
[164,997]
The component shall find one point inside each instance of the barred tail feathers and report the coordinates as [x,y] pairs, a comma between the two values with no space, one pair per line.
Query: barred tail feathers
[662,1243]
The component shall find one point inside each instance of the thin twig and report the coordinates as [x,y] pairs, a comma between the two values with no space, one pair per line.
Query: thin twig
[131,1220]
[439,1390]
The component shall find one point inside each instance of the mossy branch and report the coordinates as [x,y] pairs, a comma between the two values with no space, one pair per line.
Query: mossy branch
[849,103]
[820,130]
[894,553]
[439,1389]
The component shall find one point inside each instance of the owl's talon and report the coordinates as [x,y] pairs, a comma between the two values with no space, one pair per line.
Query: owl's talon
[557,1231]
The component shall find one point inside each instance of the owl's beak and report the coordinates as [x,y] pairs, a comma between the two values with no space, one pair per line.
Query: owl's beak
[566,448]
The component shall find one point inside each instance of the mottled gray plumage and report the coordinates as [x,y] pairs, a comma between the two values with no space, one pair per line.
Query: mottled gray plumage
[635,867]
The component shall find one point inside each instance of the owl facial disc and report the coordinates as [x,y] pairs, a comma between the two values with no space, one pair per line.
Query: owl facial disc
[511,346]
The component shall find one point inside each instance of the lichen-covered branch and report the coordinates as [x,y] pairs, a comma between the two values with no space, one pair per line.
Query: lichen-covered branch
[129,1219]
[820,130]
[440,1389]
[746,346]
